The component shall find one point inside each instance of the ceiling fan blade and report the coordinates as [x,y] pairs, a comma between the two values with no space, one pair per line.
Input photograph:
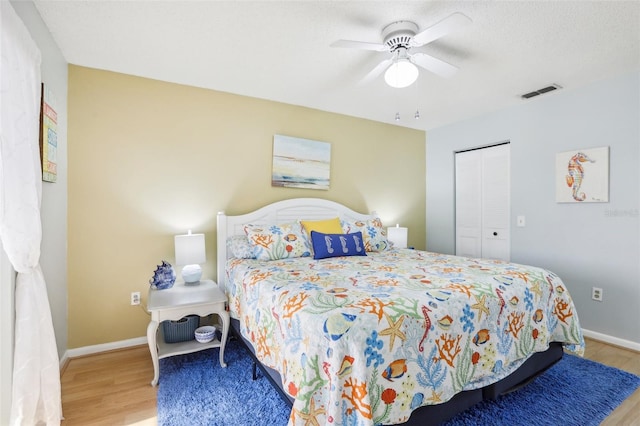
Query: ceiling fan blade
[448,25]
[374,73]
[435,65]
[360,45]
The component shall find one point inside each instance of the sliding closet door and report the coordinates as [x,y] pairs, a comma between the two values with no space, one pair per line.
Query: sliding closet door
[483,203]
[496,205]
[469,204]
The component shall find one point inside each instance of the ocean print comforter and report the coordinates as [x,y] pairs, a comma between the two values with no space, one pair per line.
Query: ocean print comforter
[366,340]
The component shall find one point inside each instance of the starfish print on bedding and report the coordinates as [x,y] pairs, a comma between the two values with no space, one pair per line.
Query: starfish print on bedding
[435,397]
[311,417]
[481,306]
[535,288]
[393,330]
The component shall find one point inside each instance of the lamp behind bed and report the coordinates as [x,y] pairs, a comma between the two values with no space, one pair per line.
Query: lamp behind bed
[398,236]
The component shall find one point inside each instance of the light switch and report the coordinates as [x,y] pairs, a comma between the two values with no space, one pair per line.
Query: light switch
[520,221]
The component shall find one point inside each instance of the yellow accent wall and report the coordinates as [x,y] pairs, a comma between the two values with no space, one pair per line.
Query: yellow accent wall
[148,160]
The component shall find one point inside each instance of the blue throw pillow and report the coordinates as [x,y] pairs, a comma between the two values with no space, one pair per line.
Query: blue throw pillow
[334,245]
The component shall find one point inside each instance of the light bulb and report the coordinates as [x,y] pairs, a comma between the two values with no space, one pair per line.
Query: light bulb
[401,73]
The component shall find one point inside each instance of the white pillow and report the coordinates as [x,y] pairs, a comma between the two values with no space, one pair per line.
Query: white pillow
[240,247]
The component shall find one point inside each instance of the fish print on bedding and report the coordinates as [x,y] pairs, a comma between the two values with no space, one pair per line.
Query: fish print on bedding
[367,340]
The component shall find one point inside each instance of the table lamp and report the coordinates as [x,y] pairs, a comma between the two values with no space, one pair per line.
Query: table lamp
[398,236]
[190,252]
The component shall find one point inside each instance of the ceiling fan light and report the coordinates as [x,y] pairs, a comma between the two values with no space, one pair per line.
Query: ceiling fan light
[401,73]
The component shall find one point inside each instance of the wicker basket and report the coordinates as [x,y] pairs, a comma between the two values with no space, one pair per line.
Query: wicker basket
[181,330]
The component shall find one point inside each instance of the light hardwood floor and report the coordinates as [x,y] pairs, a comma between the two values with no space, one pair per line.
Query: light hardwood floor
[114,388]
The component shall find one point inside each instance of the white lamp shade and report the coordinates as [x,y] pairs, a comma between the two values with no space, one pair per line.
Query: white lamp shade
[401,73]
[190,251]
[398,236]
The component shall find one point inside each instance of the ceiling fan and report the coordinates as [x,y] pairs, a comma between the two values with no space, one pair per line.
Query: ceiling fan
[399,38]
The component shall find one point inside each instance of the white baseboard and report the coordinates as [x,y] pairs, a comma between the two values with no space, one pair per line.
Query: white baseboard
[104,347]
[628,344]
[63,360]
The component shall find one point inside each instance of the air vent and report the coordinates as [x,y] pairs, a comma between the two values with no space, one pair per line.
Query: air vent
[541,91]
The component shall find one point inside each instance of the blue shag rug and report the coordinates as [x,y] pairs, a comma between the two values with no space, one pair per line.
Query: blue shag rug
[194,390]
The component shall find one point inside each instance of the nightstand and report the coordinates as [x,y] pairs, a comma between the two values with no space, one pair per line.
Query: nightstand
[177,302]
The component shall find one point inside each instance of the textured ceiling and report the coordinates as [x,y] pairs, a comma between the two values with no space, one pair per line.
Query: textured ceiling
[279,50]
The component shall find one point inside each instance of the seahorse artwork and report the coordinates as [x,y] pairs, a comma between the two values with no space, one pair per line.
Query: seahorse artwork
[576,174]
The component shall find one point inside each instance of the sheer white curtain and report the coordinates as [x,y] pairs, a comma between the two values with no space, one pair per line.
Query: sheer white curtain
[36,395]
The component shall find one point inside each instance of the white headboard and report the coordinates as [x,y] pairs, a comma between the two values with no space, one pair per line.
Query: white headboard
[278,212]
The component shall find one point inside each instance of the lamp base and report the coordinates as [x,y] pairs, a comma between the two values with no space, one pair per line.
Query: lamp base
[191,274]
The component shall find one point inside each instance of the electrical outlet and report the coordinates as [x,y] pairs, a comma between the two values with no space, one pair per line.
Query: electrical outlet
[135,298]
[596,294]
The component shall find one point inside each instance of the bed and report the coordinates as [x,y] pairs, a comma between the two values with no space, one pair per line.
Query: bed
[388,336]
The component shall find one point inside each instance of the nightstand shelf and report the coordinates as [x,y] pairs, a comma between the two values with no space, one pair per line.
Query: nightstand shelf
[180,348]
[177,302]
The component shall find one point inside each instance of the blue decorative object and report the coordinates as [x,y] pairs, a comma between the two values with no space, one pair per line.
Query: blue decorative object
[205,334]
[163,277]
[333,245]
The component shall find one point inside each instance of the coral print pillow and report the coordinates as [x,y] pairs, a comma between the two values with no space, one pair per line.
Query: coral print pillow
[373,233]
[273,242]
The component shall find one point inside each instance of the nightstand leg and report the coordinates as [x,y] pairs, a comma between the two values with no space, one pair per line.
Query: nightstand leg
[152,329]
[224,317]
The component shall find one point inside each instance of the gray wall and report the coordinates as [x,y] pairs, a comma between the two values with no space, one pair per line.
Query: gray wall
[53,256]
[587,245]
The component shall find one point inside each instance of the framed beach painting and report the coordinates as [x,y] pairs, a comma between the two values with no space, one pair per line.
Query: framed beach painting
[300,163]
[582,176]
